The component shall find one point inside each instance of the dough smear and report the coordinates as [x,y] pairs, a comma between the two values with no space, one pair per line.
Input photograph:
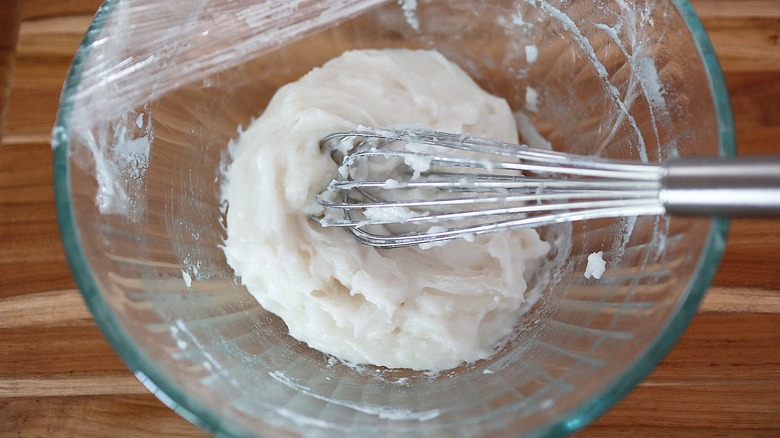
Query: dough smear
[402,308]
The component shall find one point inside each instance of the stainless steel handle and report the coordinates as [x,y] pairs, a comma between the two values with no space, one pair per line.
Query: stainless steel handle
[721,186]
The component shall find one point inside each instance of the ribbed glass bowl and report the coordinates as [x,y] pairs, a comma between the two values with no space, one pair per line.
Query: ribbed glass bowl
[137,193]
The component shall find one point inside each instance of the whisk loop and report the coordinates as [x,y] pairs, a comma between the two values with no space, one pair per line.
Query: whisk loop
[417,187]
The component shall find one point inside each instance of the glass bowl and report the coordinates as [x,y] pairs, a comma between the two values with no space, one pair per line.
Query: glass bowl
[139,160]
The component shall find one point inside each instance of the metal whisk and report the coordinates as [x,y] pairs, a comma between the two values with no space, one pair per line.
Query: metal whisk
[417,187]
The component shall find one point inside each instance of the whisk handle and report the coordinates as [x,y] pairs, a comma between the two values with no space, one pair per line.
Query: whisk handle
[721,186]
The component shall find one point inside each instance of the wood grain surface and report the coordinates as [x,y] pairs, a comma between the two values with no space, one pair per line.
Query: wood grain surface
[59,376]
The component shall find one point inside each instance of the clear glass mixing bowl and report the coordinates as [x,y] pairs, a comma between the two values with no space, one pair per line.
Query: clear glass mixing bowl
[137,192]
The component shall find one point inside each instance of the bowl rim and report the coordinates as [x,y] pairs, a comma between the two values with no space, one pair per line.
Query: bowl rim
[173,396]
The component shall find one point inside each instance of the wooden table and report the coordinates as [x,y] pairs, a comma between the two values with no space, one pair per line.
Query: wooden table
[59,376]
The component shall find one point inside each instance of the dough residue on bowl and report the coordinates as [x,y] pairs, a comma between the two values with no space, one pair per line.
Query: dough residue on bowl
[402,308]
[596,265]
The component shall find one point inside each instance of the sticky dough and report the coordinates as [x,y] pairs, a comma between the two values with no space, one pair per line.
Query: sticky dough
[403,308]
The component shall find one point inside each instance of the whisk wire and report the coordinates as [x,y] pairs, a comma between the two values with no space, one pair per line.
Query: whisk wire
[433,235]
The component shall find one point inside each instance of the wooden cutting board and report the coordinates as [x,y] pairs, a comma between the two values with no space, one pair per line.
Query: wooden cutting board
[59,377]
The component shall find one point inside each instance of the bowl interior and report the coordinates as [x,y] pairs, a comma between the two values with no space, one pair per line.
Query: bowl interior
[138,200]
